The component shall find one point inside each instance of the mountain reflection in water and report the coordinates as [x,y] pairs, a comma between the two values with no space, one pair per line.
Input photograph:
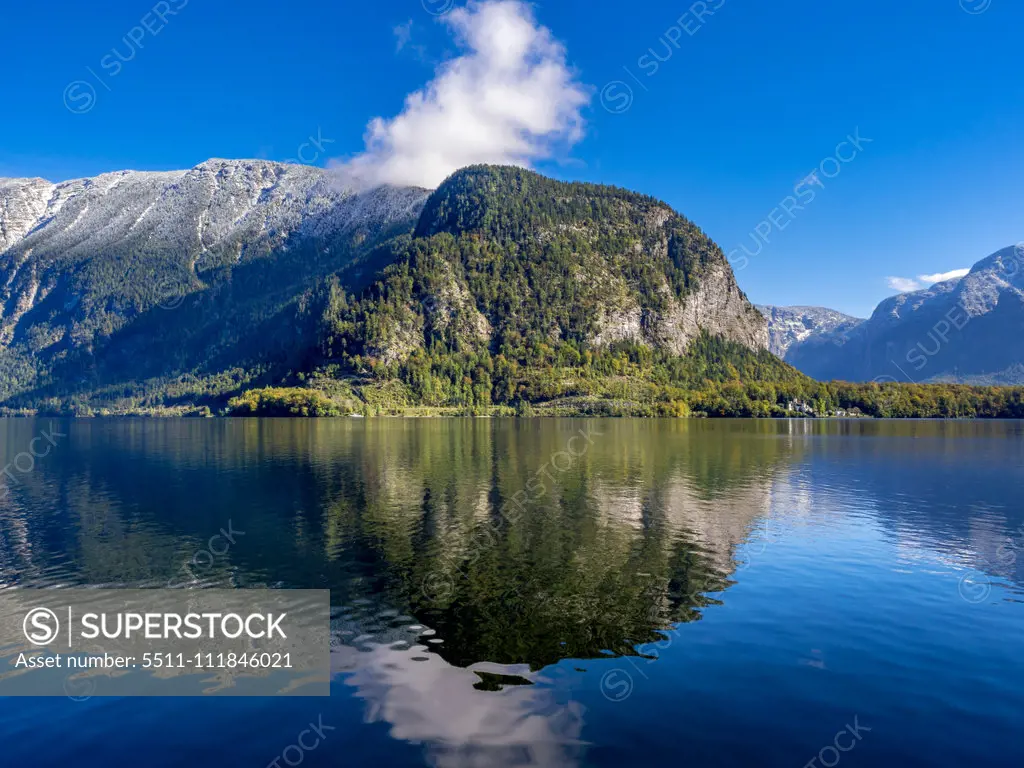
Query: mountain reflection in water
[484,573]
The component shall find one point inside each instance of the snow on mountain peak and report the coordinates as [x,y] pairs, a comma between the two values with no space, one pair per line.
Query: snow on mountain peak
[230,203]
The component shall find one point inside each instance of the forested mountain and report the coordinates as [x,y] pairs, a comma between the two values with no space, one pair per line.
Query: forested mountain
[139,286]
[255,287]
[505,258]
[518,289]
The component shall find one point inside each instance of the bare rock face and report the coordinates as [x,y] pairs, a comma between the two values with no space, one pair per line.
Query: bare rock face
[719,308]
[622,323]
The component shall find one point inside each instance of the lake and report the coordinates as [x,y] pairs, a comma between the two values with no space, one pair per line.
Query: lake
[551,592]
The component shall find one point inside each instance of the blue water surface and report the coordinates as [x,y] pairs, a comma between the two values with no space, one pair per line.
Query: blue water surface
[670,593]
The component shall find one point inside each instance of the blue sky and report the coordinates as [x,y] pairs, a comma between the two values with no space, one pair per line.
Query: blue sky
[728,126]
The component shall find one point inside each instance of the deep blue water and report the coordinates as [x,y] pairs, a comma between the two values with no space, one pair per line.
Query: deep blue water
[672,592]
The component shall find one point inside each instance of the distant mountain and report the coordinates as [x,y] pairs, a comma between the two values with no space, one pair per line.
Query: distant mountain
[91,267]
[966,330]
[790,327]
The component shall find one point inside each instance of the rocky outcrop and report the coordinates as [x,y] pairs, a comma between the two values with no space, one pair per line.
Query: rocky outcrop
[718,307]
[22,205]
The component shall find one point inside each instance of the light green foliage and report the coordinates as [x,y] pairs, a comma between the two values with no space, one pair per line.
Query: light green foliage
[276,401]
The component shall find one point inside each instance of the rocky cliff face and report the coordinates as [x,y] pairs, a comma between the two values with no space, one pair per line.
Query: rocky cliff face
[717,307]
[22,205]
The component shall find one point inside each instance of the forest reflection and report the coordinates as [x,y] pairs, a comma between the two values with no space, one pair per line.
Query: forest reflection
[517,541]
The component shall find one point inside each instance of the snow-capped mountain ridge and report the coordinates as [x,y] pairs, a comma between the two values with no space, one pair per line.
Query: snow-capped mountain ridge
[229,203]
[81,260]
[792,326]
[967,329]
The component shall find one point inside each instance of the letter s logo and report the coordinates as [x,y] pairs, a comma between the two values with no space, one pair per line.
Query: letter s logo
[41,626]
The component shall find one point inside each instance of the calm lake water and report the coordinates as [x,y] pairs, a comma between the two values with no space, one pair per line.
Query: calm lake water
[554,592]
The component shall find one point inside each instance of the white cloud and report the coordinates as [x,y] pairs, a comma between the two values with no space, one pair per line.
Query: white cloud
[509,98]
[403,34]
[907,284]
[941,277]
[903,284]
